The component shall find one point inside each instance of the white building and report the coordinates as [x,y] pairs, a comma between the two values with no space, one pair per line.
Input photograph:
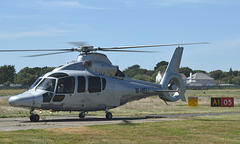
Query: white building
[159,77]
[199,79]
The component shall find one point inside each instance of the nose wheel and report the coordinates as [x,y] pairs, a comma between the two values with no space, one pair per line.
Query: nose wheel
[108,114]
[82,114]
[34,117]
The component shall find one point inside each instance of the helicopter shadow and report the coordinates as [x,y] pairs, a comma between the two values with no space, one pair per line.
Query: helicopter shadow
[122,119]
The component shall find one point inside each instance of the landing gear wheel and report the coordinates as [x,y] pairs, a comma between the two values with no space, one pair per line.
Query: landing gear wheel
[82,115]
[34,118]
[108,115]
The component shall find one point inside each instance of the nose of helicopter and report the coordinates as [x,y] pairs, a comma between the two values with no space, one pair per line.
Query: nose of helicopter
[21,100]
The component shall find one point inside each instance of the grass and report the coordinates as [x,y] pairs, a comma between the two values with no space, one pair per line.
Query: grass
[207,129]
[11,92]
[215,93]
[8,111]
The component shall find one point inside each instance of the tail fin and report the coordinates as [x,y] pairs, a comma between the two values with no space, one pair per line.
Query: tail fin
[173,66]
[172,79]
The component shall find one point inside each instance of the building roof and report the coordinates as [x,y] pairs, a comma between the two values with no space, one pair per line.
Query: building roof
[200,76]
[183,75]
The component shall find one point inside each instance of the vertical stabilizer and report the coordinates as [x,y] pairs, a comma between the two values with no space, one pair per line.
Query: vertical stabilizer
[173,66]
[172,79]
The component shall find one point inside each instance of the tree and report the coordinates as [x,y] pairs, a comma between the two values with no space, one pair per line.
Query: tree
[236,73]
[143,77]
[7,73]
[236,80]
[186,71]
[43,70]
[160,64]
[162,69]
[228,79]
[136,72]
[217,74]
[27,76]
[199,71]
[134,67]
[230,73]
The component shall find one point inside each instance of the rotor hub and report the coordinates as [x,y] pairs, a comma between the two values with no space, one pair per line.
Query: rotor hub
[86,48]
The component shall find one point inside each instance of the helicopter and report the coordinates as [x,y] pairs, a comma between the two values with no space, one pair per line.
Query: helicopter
[92,83]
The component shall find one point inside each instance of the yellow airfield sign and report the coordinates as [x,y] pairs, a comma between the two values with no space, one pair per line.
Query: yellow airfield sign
[193,101]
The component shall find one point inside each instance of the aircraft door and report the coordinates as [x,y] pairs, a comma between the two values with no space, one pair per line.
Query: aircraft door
[64,93]
[79,100]
[94,96]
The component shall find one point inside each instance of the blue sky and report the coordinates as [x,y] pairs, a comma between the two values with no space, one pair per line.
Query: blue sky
[43,24]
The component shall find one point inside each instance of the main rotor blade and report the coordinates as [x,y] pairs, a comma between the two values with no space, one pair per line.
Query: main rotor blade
[46,54]
[160,45]
[69,50]
[112,50]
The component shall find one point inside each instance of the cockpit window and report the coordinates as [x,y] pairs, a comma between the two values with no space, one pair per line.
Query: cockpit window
[47,84]
[58,75]
[35,83]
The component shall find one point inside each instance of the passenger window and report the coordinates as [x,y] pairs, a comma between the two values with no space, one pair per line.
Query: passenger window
[47,97]
[94,84]
[103,83]
[81,84]
[58,98]
[66,85]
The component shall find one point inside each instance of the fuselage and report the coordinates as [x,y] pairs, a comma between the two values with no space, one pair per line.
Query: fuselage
[92,83]
[74,87]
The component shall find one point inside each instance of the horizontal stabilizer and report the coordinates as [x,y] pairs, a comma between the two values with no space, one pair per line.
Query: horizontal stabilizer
[167,91]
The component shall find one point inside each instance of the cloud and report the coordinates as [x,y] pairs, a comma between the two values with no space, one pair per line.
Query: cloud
[47,32]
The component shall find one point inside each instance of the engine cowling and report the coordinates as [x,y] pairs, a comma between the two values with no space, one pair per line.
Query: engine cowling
[173,82]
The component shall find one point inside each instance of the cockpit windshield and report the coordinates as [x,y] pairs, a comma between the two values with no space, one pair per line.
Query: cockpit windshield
[35,83]
[47,84]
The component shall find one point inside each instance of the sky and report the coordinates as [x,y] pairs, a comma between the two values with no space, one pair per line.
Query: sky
[44,24]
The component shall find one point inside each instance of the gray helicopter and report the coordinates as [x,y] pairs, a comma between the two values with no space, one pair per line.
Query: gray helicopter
[92,83]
